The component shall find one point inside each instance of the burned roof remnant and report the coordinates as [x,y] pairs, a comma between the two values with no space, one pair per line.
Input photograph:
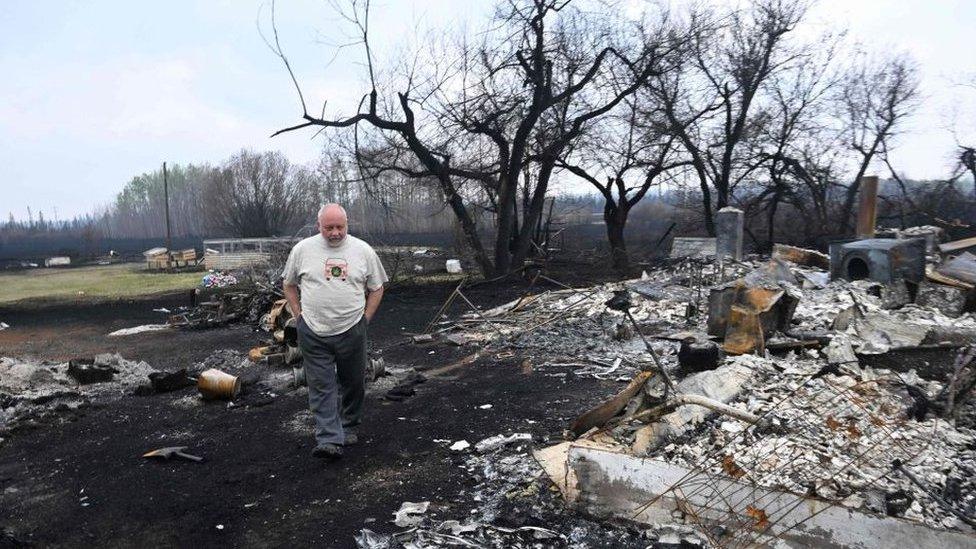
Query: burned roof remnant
[879,259]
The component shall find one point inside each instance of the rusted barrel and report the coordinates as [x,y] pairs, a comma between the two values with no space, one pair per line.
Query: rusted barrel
[215,384]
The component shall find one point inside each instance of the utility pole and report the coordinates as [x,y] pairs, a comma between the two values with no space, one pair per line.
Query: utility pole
[169,242]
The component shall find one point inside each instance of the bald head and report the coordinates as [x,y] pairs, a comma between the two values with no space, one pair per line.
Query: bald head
[333,224]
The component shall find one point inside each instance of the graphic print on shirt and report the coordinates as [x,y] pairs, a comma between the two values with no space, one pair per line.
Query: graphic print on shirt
[336,267]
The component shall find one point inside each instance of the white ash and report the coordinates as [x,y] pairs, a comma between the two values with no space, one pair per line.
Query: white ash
[32,379]
[31,388]
[226,360]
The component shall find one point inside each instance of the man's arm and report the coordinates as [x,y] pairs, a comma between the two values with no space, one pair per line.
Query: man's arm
[373,299]
[295,304]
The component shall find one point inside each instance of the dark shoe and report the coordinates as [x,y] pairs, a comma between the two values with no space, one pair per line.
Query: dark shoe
[328,451]
[351,439]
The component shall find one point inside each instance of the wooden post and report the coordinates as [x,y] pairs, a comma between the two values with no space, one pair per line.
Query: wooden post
[867,207]
[169,241]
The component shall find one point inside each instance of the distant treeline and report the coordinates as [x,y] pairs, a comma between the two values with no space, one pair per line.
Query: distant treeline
[262,194]
[136,221]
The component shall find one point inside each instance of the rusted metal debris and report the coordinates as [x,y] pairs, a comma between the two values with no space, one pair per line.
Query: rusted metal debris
[743,314]
[801,256]
[283,348]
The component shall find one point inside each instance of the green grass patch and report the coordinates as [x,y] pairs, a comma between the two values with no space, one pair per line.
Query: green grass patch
[91,283]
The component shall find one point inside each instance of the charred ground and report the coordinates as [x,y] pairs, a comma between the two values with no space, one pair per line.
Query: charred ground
[76,478]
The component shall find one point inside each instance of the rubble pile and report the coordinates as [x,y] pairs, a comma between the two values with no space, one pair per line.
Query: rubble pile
[573,328]
[514,506]
[254,294]
[836,437]
[225,308]
[785,402]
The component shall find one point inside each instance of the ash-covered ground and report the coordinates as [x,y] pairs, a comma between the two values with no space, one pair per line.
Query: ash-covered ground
[73,475]
[448,461]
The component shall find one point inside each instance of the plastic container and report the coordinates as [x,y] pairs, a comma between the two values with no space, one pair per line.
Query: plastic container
[453,266]
[216,385]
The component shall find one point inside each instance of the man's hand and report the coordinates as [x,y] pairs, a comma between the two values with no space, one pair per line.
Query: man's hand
[373,299]
[294,303]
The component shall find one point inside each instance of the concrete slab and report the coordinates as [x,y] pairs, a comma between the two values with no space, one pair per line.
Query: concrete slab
[614,484]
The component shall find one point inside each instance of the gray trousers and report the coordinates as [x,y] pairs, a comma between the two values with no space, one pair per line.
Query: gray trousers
[335,370]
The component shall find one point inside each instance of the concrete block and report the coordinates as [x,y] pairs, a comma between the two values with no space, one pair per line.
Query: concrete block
[729,233]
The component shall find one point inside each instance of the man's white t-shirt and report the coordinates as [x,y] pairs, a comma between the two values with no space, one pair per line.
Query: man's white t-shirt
[333,281]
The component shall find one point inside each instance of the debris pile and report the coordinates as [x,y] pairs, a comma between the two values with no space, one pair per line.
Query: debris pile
[514,505]
[222,309]
[833,436]
[218,279]
[785,399]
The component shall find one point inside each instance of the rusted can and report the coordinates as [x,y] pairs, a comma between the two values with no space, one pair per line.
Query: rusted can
[214,384]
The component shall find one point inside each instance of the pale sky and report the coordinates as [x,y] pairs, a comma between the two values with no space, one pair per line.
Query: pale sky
[95,92]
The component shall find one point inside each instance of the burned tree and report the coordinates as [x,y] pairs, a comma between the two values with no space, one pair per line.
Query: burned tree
[254,195]
[494,122]
[796,125]
[623,157]
[874,100]
[967,164]
[710,104]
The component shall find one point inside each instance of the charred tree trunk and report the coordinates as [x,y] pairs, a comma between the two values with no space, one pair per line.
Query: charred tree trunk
[615,217]
[533,213]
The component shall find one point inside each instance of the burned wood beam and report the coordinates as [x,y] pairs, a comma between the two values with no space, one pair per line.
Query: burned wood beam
[599,416]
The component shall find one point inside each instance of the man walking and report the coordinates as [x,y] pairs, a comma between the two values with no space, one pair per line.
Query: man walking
[334,283]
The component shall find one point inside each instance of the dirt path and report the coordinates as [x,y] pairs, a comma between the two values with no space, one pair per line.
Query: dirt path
[83,483]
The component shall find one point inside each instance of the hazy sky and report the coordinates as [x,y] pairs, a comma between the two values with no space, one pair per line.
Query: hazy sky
[95,92]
